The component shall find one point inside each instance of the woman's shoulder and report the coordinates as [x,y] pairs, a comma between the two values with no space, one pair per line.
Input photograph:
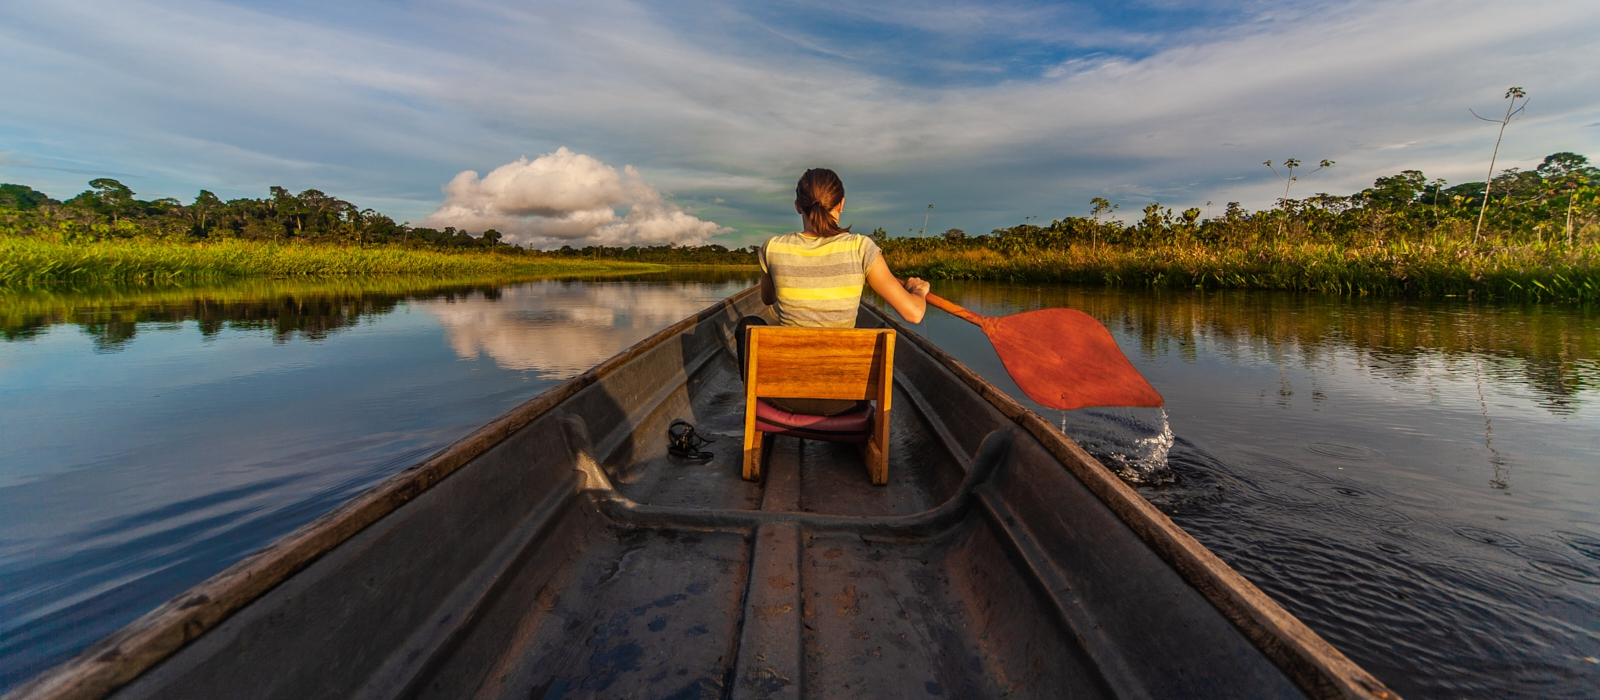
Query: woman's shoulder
[857,241]
[785,239]
[800,241]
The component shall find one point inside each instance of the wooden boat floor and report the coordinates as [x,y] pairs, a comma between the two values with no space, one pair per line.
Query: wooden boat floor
[659,613]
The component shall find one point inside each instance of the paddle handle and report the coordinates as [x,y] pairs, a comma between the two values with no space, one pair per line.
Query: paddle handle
[955,309]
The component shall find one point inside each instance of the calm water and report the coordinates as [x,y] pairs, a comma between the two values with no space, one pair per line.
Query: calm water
[150,439]
[1419,482]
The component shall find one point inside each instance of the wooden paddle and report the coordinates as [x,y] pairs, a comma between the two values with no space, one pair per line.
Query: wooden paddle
[1062,358]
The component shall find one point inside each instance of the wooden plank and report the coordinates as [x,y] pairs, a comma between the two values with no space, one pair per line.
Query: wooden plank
[807,364]
[781,492]
[122,656]
[771,650]
[1315,665]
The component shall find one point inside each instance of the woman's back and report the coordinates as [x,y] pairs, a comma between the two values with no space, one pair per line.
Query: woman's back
[818,279]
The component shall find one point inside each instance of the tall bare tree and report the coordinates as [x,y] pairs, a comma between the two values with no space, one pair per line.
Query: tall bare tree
[1512,110]
[1290,164]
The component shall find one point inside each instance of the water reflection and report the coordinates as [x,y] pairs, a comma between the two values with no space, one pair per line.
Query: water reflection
[149,438]
[1418,481]
[1554,351]
[113,315]
[559,329]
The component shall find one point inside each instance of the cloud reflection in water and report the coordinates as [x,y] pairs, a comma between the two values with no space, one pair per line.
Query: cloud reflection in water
[560,329]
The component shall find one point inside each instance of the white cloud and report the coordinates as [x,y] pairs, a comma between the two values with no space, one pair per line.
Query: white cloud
[381,112]
[567,198]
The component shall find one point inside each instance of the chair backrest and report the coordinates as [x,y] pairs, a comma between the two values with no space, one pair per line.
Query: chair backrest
[786,362]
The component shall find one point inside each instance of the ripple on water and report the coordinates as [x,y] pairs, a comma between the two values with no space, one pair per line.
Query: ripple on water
[1560,567]
[1359,503]
[1587,545]
[1359,564]
[1340,450]
[1276,483]
[1483,535]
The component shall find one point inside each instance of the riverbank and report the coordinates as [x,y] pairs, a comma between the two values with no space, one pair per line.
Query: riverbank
[1534,272]
[25,261]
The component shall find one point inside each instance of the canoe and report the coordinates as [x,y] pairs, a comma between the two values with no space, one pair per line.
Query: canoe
[561,552]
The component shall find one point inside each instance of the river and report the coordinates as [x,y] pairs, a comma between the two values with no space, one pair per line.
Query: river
[1419,481]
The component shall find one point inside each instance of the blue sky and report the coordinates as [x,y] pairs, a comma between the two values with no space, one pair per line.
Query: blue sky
[990,111]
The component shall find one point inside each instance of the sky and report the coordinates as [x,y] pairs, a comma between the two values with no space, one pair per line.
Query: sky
[648,122]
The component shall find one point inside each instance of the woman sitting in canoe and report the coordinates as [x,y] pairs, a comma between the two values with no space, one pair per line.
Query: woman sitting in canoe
[814,278]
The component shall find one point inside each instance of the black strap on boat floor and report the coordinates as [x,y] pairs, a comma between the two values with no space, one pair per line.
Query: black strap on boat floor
[683,441]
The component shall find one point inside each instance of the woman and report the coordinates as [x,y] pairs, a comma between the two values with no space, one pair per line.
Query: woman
[814,278]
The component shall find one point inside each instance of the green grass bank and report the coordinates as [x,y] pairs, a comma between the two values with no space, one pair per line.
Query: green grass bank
[32,261]
[1397,268]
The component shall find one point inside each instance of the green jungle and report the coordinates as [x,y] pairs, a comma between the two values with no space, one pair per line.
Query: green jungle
[1535,235]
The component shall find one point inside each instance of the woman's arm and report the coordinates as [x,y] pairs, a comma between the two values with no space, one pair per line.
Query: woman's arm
[909,299]
[769,290]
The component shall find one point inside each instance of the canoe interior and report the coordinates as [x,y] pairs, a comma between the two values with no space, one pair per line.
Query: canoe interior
[522,575]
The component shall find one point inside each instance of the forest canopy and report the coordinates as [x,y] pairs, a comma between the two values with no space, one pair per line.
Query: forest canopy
[1556,202]
[110,209]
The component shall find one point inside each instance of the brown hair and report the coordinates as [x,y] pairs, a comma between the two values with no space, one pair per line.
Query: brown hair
[819,191]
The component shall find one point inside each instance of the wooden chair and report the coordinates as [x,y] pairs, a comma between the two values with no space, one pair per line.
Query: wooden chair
[819,363]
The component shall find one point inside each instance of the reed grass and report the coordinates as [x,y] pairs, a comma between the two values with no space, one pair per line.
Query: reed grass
[28,261]
[1532,272]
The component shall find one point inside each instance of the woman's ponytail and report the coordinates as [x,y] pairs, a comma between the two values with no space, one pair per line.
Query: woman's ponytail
[819,191]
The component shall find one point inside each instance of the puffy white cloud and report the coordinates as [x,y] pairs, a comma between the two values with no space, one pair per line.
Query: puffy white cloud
[567,198]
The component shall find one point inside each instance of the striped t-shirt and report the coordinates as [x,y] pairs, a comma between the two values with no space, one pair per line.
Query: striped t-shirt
[819,280]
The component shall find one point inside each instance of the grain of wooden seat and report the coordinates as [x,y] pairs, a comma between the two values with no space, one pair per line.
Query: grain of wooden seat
[820,363]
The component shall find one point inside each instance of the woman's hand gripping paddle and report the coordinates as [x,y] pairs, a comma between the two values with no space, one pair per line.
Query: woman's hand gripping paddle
[1062,358]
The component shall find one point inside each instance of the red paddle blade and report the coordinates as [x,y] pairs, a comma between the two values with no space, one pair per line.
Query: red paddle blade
[1065,359]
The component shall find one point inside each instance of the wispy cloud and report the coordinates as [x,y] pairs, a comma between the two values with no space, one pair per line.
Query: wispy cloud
[912,103]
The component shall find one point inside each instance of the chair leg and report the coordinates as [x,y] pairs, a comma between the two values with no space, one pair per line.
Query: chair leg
[880,443]
[752,454]
[875,456]
[877,461]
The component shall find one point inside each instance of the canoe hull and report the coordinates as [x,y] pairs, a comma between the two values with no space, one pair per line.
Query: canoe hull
[561,553]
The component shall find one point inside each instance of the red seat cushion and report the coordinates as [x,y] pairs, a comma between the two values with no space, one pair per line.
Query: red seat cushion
[849,427]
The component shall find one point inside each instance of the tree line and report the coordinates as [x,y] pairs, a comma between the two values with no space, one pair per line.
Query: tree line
[1555,204]
[110,210]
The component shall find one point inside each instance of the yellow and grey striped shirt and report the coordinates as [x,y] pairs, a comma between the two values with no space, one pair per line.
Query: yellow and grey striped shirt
[819,280]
